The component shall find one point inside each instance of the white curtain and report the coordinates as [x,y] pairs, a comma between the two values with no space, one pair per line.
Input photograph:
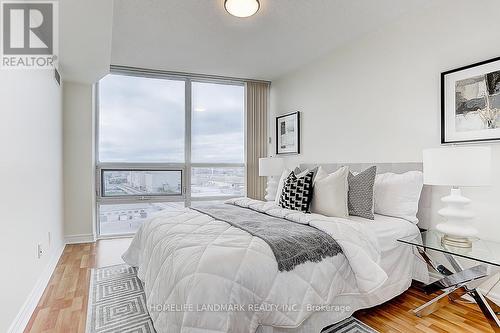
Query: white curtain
[257,105]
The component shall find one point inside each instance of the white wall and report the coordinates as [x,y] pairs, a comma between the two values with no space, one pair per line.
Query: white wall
[79,188]
[31,179]
[377,99]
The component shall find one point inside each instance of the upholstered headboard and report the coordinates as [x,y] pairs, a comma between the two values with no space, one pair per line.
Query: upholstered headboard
[424,207]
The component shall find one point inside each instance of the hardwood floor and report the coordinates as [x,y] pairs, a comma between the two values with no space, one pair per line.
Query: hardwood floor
[397,316]
[63,306]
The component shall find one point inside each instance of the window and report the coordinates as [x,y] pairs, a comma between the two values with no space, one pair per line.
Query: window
[141,119]
[218,123]
[217,182]
[218,140]
[164,142]
[116,183]
[127,218]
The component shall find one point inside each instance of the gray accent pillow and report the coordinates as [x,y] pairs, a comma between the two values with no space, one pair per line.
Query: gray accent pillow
[360,195]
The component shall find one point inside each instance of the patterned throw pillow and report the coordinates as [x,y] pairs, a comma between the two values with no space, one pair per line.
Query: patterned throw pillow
[360,196]
[297,192]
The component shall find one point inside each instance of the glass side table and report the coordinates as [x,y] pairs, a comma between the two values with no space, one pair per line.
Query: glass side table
[464,280]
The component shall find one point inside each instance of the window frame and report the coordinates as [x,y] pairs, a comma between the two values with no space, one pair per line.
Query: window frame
[186,167]
[144,167]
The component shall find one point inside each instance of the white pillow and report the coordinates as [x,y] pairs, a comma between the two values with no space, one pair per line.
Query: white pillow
[283,177]
[330,194]
[320,174]
[397,195]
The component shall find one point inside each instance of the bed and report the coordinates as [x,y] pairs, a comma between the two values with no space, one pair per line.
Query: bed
[201,274]
[398,261]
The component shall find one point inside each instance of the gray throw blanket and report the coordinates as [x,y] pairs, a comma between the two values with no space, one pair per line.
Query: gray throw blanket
[292,243]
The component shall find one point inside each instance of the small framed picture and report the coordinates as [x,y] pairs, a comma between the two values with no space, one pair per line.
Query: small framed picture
[470,103]
[288,134]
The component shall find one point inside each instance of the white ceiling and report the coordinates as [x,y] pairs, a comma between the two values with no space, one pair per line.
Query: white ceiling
[199,36]
[85,39]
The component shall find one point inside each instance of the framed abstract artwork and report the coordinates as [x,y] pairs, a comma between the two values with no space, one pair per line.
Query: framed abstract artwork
[288,134]
[470,103]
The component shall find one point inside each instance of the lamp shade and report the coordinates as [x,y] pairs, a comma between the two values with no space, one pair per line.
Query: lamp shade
[270,166]
[457,166]
[242,8]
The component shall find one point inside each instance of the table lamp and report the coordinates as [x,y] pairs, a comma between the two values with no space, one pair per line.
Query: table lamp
[457,167]
[271,167]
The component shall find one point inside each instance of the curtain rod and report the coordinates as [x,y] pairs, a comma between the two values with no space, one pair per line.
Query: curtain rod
[130,69]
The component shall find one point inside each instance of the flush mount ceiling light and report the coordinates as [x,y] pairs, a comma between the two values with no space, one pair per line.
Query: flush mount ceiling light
[242,8]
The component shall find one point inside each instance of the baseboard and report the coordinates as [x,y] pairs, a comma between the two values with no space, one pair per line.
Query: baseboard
[77,239]
[24,314]
[494,296]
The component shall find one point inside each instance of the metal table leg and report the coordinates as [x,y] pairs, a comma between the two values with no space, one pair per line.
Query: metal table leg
[456,265]
[460,278]
[464,280]
[437,267]
[435,303]
[486,308]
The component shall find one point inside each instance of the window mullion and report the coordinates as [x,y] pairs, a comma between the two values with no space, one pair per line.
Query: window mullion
[188,137]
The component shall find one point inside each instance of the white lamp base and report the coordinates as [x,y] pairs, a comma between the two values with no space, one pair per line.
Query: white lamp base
[272,187]
[457,228]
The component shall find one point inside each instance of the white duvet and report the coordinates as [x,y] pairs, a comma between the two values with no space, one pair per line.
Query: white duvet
[203,275]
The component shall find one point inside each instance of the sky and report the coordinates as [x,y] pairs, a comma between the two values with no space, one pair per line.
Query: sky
[142,120]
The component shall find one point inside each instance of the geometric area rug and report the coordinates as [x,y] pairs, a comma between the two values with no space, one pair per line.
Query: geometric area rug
[349,325]
[117,304]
